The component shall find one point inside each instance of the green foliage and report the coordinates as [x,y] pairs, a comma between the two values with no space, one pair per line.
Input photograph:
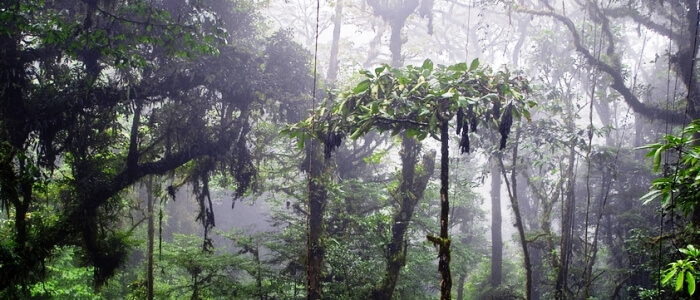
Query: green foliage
[66,279]
[102,94]
[682,185]
[478,286]
[417,100]
[683,270]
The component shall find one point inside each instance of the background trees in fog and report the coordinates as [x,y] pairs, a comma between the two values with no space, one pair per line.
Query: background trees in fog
[108,104]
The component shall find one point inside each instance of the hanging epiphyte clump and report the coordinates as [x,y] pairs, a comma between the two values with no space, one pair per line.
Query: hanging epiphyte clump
[464,140]
[460,119]
[332,141]
[473,121]
[505,124]
[496,109]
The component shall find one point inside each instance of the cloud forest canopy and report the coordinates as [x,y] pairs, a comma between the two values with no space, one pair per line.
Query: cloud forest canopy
[417,102]
[125,122]
[95,95]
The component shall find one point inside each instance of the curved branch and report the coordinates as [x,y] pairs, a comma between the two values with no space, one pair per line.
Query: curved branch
[625,12]
[618,83]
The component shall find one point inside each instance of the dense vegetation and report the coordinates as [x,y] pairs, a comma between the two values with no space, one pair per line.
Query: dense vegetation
[192,149]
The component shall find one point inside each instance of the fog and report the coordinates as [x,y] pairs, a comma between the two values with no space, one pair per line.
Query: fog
[349,149]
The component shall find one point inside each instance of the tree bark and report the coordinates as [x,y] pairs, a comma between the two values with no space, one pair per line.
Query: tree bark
[496,238]
[411,192]
[512,193]
[337,23]
[151,234]
[444,249]
[568,205]
[317,205]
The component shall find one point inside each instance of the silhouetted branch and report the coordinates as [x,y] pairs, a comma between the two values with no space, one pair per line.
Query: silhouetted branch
[618,84]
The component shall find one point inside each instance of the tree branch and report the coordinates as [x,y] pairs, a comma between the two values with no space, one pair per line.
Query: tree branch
[625,12]
[618,84]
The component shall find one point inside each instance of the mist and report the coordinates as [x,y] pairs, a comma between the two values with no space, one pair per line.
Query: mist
[349,149]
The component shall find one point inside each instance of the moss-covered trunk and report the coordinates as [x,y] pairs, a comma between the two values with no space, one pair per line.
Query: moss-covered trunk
[317,205]
[411,190]
[444,248]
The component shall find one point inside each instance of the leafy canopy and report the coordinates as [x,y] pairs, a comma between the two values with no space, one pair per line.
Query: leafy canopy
[417,100]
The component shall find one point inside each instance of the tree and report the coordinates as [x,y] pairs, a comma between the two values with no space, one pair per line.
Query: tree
[676,21]
[421,101]
[97,95]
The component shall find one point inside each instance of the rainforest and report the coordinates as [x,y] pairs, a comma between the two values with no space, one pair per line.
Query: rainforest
[349,149]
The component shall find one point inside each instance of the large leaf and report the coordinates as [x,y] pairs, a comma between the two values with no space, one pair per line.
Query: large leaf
[474,64]
[361,87]
[679,280]
[669,275]
[651,195]
[690,279]
[657,158]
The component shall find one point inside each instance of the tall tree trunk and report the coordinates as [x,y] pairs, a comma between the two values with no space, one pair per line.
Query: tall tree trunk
[337,23]
[545,254]
[568,206]
[396,252]
[395,43]
[444,250]
[512,193]
[460,287]
[151,237]
[411,191]
[317,205]
[496,239]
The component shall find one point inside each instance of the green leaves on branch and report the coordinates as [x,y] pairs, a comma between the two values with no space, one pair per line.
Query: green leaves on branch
[683,270]
[418,100]
[684,183]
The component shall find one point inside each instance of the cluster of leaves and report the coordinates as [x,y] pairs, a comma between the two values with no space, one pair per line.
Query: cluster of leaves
[96,95]
[683,270]
[418,100]
[679,187]
[66,278]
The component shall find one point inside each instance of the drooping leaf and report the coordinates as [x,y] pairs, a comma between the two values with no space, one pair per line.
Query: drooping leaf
[379,70]
[474,64]
[657,158]
[669,275]
[651,195]
[679,280]
[690,279]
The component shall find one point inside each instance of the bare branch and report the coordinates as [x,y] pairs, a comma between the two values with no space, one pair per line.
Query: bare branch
[618,84]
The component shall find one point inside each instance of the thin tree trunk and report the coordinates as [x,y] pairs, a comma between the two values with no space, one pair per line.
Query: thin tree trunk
[512,193]
[560,288]
[444,250]
[411,191]
[395,43]
[195,286]
[317,204]
[460,287]
[496,239]
[258,271]
[337,23]
[151,237]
